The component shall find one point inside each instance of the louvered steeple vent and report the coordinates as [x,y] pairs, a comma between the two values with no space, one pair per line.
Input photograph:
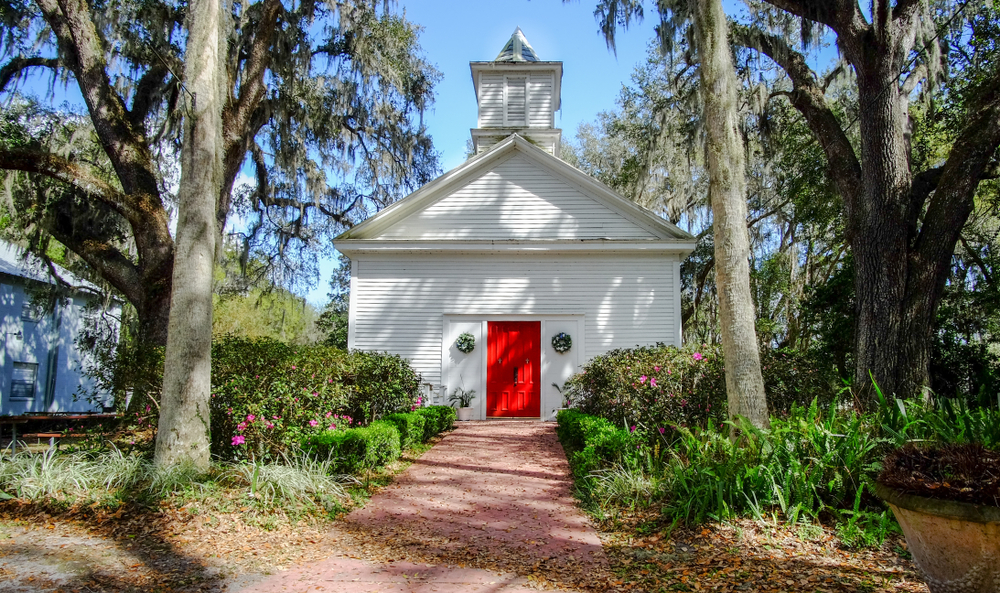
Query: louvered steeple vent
[517,93]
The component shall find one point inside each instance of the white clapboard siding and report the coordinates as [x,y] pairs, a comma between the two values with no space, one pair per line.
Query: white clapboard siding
[491,100]
[399,301]
[517,199]
[540,101]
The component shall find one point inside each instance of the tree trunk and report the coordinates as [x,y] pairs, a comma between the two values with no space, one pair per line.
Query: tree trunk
[183,436]
[727,189]
[877,224]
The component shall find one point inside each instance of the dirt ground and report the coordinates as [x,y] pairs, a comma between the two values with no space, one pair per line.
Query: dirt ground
[171,551]
[192,548]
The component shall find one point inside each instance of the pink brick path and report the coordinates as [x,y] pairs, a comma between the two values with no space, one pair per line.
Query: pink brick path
[488,509]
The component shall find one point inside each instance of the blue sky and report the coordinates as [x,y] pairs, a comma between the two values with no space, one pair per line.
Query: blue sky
[456,32]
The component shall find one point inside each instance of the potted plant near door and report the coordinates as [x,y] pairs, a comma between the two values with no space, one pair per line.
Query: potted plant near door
[947,501]
[462,399]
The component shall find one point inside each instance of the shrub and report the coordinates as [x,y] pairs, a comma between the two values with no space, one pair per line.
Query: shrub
[437,419]
[356,449]
[268,396]
[653,387]
[798,377]
[664,387]
[382,383]
[410,426]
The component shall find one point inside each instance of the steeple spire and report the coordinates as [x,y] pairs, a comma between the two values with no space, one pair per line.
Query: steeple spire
[517,49]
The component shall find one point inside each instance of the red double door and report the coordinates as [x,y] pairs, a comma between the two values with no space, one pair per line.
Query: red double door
[513,369]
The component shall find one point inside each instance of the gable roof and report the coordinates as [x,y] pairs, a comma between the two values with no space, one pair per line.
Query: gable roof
[526,196]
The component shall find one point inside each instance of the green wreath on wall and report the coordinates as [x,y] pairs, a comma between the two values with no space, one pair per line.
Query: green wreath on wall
[561,342]
[466,342]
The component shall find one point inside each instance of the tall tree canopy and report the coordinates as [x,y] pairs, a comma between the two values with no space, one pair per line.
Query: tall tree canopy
[904,207]
[324,100]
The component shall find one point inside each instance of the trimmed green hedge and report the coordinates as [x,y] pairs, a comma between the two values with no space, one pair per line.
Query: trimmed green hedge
[437,419]
[357,449]
[410,426]
[366,448]
[593,443]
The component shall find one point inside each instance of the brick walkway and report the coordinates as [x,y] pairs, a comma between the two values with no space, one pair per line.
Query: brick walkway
[489,508]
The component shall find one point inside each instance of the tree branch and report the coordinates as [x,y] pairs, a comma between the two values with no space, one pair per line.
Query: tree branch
[82,51]
[72,174]
[808,98]
[14,68]
[147,91]
[843,16]
[954,195]
[974,254]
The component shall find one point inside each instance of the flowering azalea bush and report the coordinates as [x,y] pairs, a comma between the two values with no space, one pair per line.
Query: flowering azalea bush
[660,388]
[267,396]
[653,387]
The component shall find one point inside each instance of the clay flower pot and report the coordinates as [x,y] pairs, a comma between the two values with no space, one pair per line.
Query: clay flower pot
[955,544]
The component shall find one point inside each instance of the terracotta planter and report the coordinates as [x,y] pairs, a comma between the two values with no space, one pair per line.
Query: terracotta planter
[955,544]
[465,414]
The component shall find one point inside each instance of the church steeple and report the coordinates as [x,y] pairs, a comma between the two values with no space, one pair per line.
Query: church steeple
[517,93]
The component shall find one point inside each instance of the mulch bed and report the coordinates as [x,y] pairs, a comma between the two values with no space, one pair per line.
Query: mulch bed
[747,555]
[963,473]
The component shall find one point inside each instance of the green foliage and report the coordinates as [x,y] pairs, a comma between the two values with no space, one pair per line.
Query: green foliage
[276,314]
[334,320]
[437,419]
[663,387]
[653,387]
[813,462]
[111,476]
[796,377]
[267,396]
[410,426]
[354,450]
[462,398]
[383,383]
[592,444]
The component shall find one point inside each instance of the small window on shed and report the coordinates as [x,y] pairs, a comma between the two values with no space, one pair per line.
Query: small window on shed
[23,378]
[515,107]
[32,311]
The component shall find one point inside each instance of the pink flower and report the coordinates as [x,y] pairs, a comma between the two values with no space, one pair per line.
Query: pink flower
[642,379]
[251,417]
[274,417]
[661,430]
[238,440]
[314,393]
[329,380]
[293,367]
[241,426]
[652,382]
[313,423]
[328,414]
[632,428]
[697,356]
[657,369]
[332,427]
[270,425]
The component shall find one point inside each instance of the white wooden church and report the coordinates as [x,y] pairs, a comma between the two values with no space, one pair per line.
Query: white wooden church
[514,247]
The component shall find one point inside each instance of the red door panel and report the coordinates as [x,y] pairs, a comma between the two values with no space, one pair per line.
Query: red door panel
[514,351]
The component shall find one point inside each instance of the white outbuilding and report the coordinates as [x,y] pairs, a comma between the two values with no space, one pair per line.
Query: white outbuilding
[519,250]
